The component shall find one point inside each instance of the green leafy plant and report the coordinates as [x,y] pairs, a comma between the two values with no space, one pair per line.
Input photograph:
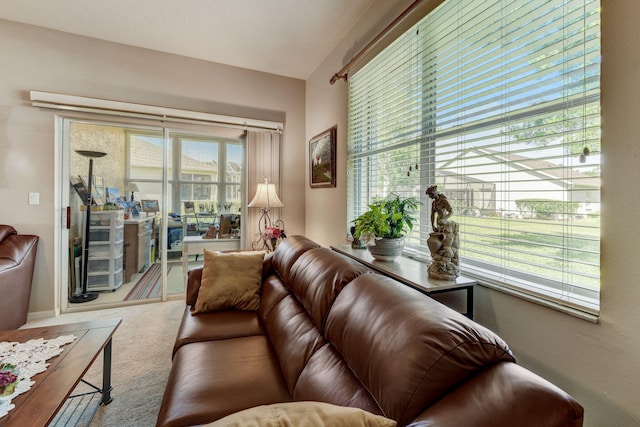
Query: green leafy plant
[390,217]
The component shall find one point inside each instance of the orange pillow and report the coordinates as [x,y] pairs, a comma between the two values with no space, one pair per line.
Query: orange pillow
[230,280]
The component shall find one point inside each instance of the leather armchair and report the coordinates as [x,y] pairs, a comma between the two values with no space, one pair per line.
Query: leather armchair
[17,261]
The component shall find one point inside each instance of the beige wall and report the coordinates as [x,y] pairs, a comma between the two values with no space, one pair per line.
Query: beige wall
[599,364]
[38,59]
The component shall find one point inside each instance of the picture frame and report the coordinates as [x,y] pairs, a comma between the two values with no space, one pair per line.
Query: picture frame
[113,194]
[150,206]
[81,189]
[97,188]
[322,159]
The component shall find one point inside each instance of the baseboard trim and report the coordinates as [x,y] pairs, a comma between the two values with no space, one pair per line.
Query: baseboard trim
[40,315]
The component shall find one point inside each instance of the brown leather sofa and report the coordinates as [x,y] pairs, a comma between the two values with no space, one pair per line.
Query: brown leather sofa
[329,330]
[17,260]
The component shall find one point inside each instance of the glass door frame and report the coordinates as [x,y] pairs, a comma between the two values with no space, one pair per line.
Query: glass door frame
[62,191]
[62,199]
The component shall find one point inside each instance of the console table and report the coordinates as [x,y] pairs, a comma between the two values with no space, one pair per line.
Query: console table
[412,273]
[39,405]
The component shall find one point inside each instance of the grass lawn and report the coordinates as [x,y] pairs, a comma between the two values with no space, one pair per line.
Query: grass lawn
[536,247]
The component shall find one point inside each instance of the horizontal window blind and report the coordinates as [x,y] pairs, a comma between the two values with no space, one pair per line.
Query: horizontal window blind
[497,103]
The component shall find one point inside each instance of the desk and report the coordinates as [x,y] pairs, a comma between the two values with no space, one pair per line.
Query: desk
[412,273]
[39,405]
[195,245]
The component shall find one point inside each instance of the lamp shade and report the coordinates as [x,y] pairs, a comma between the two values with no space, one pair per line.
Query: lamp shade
[132,186]
[266,197]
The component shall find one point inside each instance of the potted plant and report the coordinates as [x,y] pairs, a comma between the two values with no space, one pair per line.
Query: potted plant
[385,224]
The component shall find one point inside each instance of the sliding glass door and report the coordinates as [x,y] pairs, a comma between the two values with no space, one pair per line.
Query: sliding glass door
[150,189]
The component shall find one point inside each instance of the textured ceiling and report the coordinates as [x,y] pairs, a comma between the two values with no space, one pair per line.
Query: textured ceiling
[285,37]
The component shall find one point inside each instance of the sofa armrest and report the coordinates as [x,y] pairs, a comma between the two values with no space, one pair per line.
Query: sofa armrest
[194,276]
[17,263]
[504,395]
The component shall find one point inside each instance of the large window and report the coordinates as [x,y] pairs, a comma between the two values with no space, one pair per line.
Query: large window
[204,170]
[497,103]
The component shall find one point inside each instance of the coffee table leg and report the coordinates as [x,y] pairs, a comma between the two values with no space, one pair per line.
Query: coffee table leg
[106,375]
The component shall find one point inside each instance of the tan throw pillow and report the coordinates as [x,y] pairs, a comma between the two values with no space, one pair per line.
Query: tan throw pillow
[230,280]
[303,414]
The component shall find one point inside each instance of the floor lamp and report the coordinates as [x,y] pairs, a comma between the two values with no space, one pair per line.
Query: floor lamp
[86,296]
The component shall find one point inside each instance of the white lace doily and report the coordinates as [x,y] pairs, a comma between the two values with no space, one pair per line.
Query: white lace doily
[30,358]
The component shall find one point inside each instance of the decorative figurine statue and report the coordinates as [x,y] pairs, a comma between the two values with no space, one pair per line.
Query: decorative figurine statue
[443,242]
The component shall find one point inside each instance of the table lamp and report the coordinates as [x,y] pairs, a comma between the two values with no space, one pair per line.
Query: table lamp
[265,199]
[132,187]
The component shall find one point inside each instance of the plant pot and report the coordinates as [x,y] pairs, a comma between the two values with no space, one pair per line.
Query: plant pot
[387,249]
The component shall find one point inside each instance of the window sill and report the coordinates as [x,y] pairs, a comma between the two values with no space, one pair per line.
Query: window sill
[589,317]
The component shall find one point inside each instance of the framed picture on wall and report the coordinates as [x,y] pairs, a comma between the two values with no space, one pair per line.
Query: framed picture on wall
[322,159]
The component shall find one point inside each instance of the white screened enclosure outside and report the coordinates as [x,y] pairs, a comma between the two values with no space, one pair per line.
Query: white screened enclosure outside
[497,103]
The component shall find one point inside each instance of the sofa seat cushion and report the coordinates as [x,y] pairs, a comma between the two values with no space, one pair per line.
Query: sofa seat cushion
[209,380]
[217,325]
[303,414]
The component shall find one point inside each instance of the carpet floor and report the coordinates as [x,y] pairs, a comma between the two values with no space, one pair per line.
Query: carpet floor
[141,360]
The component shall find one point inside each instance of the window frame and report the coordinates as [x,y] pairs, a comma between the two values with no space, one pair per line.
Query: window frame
[360,192]
[221,187]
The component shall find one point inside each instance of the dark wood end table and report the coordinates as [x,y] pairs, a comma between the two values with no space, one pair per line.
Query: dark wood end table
[412,273]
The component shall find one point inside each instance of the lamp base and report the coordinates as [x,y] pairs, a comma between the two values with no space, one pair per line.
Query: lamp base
[89,296]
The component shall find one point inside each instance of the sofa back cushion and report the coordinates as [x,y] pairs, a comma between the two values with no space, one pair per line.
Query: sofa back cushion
[328,378]
[405,348]
[294,338]
[316,279]
[288,252]
[294,318]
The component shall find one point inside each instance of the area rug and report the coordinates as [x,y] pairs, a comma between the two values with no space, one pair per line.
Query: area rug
[149,285]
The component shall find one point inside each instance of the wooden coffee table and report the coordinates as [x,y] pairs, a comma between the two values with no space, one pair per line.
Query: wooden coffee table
[39,405]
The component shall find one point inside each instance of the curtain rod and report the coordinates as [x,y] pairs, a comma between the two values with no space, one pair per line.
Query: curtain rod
[119,108]
[400,23]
